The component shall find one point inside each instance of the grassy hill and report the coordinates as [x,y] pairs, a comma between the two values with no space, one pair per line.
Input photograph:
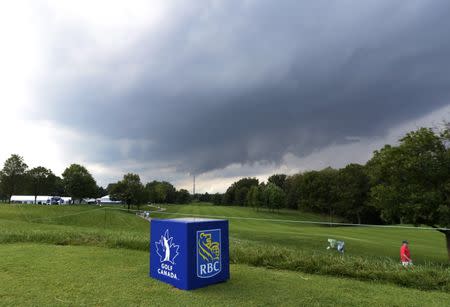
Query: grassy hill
[266,227]
[263,240]
[276,229]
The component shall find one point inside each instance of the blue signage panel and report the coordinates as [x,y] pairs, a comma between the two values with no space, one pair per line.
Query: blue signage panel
[208,253]
[189,253]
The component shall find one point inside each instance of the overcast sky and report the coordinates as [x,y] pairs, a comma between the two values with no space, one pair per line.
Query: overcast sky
[220,89]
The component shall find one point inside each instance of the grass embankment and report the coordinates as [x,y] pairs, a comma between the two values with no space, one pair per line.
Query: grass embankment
[426,245]
[73,225]
[37,274]
[372,253]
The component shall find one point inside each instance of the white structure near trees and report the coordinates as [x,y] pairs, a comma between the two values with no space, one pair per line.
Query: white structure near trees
[41,199]
[107,200]
[57,200]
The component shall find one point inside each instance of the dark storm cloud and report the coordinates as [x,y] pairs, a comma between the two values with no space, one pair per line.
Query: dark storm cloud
[240,82]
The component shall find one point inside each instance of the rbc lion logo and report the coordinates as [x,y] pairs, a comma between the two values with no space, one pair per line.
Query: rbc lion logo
[209,259]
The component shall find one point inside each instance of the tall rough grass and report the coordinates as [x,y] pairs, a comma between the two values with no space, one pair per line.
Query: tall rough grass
[429,276]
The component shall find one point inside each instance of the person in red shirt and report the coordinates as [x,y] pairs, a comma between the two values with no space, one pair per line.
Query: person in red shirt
[405,255]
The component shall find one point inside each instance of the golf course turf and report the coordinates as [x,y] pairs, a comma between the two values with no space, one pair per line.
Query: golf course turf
[88,255]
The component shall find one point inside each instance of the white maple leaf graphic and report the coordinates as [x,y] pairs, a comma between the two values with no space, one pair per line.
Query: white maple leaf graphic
[166,249]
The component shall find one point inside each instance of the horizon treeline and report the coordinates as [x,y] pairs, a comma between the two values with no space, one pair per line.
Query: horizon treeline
[336,192]
[405,183]
[16,178]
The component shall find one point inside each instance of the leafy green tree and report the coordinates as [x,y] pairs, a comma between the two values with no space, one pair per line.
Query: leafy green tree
[352,191]
[166,192]
[2,196]
[151,192]
[279,180]
[171,192]
[41,181]
[237,193]
[293,186]
[183,196]
[253,197]
[317,192]
[411,181]
[130,191]
[206,197]
[240,196]
[275,197]
[12,176]
[56,185]
[161,192]
[101,191]
[263,196]
[217,199]
[110,187]
[78,182]
[227,198]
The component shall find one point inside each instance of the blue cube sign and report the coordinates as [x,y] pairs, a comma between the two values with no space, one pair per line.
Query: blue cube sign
[189,253]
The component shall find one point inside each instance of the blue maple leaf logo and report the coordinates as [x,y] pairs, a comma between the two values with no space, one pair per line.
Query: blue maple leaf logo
[166,249]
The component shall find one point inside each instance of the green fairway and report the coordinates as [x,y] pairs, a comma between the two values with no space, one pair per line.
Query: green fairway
[32,274]
[255,227]
[110,246]
[426,245]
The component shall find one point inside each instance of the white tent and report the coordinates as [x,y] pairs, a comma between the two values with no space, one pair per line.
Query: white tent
[29,199]
[107,200]
[40,199]
[66,200]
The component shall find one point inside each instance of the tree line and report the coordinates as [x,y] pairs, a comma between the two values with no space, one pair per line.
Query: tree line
[131,191]
[17,179]
[407,183]
[77,182]
[338,192]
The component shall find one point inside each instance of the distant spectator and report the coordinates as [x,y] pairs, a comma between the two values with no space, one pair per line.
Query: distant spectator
[405,255]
